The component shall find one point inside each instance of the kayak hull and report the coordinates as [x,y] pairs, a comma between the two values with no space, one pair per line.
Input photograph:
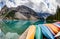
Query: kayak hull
[46,32]
[31,32]
[38,34]
[23,36]
[53,28]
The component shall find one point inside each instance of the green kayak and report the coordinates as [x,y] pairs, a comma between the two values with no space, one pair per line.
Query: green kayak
[38,34]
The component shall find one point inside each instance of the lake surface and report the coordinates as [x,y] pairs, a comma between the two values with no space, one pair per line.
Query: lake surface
[17,26]
[12,29]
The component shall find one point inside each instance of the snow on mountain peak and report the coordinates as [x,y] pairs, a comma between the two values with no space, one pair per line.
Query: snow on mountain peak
[48,6]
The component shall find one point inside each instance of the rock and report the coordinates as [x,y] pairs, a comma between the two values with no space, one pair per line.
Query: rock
[10,35]
[20,12]
[2,35]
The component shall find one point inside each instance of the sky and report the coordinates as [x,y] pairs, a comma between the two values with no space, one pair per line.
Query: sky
[41,6]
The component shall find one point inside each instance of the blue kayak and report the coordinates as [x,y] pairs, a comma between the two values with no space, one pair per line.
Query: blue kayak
[46,32]
[38,34]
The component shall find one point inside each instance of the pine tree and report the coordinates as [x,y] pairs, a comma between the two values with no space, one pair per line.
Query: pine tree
[56,16]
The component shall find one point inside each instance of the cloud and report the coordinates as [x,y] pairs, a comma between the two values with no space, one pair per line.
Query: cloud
[58,2]
[2,3]
[47,6]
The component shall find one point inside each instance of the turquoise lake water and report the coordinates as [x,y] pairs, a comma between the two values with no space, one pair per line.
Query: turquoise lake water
[18,26]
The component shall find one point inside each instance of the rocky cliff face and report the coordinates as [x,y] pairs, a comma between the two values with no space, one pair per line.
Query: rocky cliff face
[4,10]
[20,12]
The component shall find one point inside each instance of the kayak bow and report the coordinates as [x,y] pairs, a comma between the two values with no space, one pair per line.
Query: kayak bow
[31,32]
[46,32]
[38,33]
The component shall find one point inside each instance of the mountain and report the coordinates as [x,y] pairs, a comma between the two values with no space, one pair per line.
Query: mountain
[20,12]
[37,5]
[42,15]
[26,13]
[4,10]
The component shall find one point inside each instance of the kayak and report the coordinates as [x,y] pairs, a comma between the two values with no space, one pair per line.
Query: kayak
[23,36]
[58,34]
[46,32]
[58,22]
[38,34]
[58,25]
[53,28]
[31,32]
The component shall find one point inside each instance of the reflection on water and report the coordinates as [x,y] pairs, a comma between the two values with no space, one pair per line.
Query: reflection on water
[8,35]
[18,26]
[11,29]
[15,27]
